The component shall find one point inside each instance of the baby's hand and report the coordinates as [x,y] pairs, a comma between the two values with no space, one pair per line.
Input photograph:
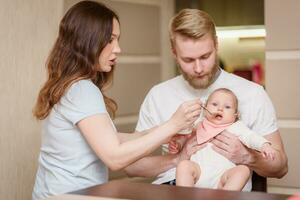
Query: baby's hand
[176,143]
[174,147]
[268,151]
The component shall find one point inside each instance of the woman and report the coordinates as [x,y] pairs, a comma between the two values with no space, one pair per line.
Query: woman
[79,140]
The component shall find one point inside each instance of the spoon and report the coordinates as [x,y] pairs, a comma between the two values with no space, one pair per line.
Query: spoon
[207,110]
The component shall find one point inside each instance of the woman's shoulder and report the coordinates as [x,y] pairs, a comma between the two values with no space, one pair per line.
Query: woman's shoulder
[84,84]
[83,87]
[83,91]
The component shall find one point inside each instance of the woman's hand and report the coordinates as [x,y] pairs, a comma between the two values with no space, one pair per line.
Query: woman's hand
[186,114]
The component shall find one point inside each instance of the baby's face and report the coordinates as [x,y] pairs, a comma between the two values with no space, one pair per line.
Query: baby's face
[223,105]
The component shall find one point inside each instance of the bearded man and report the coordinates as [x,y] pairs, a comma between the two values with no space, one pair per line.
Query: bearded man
[194,46]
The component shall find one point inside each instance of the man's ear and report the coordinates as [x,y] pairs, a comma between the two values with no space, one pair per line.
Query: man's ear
[216,43]
[173,51]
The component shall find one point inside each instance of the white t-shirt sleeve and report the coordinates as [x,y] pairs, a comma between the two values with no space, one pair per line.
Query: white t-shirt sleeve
[82,100]
[146,117]
[265,117]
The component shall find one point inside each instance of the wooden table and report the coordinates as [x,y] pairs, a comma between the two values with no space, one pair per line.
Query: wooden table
[136,191]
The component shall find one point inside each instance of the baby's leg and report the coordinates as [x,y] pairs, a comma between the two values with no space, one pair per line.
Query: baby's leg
[235,178]
[187,173]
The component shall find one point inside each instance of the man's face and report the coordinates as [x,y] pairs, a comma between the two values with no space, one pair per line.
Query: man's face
[197,59]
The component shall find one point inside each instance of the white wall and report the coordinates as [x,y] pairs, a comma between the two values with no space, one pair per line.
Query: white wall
[28,29]
[282,78]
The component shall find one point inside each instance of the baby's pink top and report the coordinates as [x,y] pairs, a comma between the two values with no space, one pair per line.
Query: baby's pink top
[207,130]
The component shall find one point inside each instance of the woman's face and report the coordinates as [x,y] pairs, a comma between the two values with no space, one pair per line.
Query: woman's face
[108,56]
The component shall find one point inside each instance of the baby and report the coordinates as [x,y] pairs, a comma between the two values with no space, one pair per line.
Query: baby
[209,169]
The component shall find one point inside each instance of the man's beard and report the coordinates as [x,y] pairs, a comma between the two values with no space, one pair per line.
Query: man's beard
[204,82]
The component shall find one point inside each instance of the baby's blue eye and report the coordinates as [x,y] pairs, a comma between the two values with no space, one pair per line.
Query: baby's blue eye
[214,104]
[227,107]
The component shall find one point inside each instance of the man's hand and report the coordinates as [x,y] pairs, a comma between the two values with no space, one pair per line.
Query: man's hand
[268,152]
[231,147]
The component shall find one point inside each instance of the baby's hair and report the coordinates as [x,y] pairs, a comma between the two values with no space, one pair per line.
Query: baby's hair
[228,91]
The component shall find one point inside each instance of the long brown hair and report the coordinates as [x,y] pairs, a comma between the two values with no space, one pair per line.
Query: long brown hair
[83,33]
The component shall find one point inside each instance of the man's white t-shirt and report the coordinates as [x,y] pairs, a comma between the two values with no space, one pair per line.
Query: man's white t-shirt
[255,107]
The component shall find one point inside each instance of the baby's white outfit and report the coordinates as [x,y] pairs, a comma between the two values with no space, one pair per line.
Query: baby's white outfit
[213,165]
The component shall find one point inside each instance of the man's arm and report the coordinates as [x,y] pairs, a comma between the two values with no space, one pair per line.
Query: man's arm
[230,146]
[152,166]
[271,168]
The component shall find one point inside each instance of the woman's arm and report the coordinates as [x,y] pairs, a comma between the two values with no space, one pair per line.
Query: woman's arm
[123,137]
[102,138]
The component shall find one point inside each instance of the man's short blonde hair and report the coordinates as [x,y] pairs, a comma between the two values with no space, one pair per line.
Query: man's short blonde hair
[192,23]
